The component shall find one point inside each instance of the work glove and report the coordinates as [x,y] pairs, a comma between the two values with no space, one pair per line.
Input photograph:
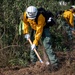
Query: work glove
[27,36]
[33,46]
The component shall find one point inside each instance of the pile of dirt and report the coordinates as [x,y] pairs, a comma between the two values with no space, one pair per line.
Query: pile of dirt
[43,69]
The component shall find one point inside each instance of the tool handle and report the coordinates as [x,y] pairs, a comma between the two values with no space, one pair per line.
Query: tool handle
[36,52]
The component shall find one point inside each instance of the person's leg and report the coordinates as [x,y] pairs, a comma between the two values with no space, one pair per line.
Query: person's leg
[69,43]
[69,36]
[46,38]
[33,56]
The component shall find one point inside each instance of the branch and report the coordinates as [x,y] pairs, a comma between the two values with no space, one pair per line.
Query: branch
[10,46]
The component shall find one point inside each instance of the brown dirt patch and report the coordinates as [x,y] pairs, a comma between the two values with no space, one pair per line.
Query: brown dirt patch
[42,69]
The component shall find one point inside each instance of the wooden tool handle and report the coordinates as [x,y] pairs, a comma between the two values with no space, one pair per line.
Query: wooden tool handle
[36,52]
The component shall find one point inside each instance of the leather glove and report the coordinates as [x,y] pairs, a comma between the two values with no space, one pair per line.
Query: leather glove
[33,46]
[27,36]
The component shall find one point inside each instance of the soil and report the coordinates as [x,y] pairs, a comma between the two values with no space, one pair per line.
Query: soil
[42,68]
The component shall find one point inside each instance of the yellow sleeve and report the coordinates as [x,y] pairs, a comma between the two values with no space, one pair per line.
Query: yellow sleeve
[71,20]
[68,15]
[39,29]
[26,24]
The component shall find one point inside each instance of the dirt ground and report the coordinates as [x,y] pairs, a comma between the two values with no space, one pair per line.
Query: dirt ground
[42,69]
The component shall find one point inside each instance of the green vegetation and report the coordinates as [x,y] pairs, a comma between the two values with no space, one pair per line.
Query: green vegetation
[13,47]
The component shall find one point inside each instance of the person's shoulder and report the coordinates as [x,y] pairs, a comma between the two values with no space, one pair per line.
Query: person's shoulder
[41,16]
[68,12]
[24,14]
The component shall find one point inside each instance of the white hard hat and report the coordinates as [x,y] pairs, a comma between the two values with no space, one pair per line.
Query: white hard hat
[31,12]
[73,6]
[74,15]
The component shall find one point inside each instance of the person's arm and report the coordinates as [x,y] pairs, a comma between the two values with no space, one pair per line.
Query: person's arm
[72,24]
[39,29]
[71,21]
[26,24]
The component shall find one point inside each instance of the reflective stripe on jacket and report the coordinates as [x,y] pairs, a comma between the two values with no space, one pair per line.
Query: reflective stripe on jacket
[21,27]
[37,27]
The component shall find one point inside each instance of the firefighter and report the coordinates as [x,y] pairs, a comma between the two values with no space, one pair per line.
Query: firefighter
[69,27]
[69,23]
[40,31]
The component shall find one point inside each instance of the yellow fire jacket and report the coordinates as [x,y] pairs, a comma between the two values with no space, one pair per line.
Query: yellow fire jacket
[38,27]
[68,15]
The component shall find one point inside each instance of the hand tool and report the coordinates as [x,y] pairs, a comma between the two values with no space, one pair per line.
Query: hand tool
[36,52]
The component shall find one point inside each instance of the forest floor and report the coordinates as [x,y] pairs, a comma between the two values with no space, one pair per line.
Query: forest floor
[42,69]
